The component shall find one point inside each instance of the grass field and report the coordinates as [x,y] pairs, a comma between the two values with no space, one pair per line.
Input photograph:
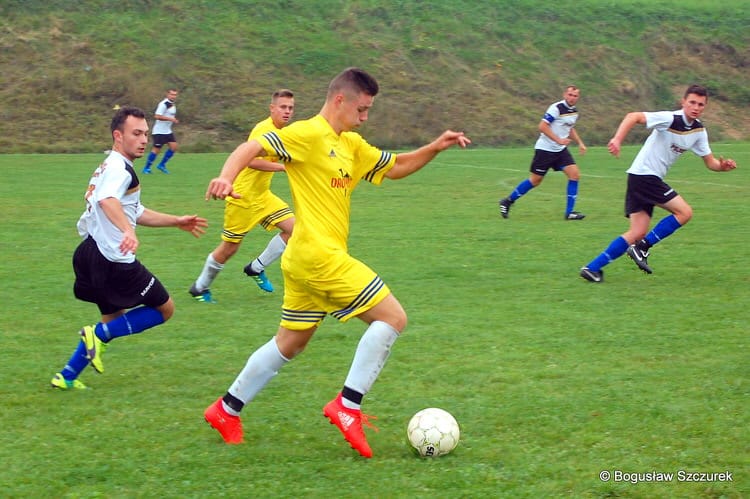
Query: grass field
[552,379]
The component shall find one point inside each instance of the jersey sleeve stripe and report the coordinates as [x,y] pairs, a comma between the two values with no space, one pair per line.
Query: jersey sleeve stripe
[385,158]
[278,146]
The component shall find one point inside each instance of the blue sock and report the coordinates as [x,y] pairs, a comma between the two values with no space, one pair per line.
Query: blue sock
[150,159]
[133,322]
[77,363]
[572,194]
[664,228]
[166,157]
[615,250]
[521,189]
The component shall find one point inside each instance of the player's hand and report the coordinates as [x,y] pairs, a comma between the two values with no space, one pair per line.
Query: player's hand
[582,149]
[613,146]
[220,188]
[727,164]
[129,243]
[193,224]
[450,138]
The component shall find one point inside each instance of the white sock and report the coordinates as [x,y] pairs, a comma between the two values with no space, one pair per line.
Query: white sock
[261,367]
[273,251]
[210,270]
[372,352]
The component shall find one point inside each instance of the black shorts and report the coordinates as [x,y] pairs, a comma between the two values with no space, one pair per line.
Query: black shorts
[163,138]
[544,160]
[113,286]
[646,191]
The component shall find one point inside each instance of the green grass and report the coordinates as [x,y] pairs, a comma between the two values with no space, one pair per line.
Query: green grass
[552,379]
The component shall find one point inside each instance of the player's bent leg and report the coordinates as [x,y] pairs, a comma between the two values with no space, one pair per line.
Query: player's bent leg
[639,223]
[682,211]
[292,342]
[167,309]
[389,310]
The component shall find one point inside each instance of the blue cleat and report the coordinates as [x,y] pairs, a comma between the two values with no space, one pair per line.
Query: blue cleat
[260,278]
[201,296]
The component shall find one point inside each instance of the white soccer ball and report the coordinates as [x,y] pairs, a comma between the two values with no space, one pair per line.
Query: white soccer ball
[433,432]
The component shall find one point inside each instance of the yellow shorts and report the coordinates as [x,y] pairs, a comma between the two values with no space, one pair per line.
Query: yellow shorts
[265,210]
[344,287]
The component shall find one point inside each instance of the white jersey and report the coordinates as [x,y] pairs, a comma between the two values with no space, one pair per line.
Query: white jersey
[561,118]
[165,108]
[114,178]
[671,136]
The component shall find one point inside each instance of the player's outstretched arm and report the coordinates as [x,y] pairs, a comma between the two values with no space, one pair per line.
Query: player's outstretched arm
[409,162]
[189,223]
[627,123]
[719,165]
[221,186]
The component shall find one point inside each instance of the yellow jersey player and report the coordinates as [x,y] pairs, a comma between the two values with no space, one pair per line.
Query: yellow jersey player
[325,160]
[256,206]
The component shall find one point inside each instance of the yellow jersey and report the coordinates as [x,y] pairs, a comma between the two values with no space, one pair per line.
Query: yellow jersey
[251,183]
[323,168]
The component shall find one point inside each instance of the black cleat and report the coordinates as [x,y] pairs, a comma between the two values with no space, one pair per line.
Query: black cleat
[505,205]
[574,215]
[640,257]
[592,275]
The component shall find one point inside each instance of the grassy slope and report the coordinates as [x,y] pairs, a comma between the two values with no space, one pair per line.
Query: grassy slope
[487,67]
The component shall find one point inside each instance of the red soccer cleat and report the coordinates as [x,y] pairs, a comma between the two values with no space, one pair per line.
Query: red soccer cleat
[349,422]
[229,426]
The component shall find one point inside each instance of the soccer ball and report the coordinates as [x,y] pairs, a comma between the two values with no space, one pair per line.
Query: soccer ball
[433,432]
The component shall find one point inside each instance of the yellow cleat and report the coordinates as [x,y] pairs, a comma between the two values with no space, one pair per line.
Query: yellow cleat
[63,384]
[94,348]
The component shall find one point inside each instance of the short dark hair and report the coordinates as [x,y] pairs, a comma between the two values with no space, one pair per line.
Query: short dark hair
[118,120]
[355,80]
[282,92]
[697,90]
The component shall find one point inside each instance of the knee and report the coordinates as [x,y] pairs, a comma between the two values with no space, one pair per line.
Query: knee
[167,310]
[684,215]
[572,172]
[399,321]
[292,343]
